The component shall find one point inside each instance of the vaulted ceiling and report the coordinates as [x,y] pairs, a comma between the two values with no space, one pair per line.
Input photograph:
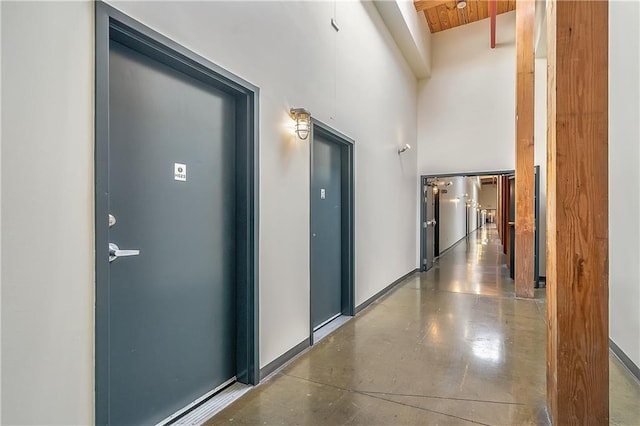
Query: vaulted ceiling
[442,15]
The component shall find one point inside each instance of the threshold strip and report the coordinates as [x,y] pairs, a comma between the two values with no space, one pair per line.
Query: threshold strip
[214,405]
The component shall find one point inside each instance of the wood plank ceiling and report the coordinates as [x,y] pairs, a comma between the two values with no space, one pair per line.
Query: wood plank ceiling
[442,15]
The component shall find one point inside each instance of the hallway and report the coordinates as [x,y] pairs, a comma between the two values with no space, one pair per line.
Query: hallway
[450,346]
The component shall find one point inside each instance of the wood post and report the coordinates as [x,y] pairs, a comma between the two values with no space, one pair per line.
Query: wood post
[525,181]
[577,212]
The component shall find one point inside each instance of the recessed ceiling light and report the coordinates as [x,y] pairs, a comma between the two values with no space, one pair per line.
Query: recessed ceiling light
[461,4]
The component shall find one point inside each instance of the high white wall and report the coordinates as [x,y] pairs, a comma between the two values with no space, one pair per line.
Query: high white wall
[624,177]
[355,80]
[466,110]
[410,32]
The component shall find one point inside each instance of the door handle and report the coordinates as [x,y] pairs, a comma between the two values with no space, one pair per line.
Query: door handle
[115,252]
[431,222]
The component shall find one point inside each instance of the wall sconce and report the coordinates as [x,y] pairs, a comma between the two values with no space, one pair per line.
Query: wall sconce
[302,117]
[406,147]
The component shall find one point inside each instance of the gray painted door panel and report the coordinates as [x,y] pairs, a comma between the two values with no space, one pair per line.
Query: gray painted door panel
[430,229]
[326,231]
[172,308]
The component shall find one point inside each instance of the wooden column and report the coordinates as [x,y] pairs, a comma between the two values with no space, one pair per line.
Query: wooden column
[525,181]
[577,215]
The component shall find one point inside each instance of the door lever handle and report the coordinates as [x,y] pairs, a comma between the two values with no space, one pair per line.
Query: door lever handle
[115,252]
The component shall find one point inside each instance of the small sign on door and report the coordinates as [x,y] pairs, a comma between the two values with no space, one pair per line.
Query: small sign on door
[323,194]
[180,172]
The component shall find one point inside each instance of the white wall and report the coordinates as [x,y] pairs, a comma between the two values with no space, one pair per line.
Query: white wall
[624,177]
[410,31]
[472,195]
[47,213]
[355,80]
[466,110]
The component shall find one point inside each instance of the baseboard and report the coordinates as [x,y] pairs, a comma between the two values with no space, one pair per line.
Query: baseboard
[284,358]
[384,291]
[626,361]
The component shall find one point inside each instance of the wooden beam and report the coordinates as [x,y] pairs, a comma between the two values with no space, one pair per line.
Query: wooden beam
[525,180]
[433,20]
[577,212]
[428,4]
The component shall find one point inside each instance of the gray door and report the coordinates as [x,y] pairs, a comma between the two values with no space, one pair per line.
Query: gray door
[429,227]
[326,231]
[172,194]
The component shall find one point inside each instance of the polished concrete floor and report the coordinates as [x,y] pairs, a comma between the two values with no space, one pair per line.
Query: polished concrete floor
[452,346]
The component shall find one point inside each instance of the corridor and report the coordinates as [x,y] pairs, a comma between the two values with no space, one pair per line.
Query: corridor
[450,346]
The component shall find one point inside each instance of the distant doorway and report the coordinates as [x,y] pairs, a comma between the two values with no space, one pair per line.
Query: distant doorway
[435,223]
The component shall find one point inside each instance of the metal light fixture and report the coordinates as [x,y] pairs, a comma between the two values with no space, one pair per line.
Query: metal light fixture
[302,117]
[406,147]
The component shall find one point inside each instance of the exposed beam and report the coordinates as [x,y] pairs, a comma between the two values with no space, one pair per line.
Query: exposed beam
[525,179]
[492,14]
[577,212]
[427,4]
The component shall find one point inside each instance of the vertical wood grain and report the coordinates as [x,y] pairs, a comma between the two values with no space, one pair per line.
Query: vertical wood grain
[503,6]
[525,180]
[432,19]
[577,218]
[552,242]
[443,15]
[452,11]
[472,10]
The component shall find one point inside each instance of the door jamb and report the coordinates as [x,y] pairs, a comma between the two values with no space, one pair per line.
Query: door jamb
[348,219]
[110,24]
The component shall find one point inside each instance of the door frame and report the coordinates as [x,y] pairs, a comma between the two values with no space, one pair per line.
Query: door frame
[111,24]
[348,218]
[423,180]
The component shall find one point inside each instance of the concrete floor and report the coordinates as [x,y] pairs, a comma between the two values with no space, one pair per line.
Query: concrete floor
[450,347]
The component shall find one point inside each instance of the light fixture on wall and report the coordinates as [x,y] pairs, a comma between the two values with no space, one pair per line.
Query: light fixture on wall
[461,4]
[406,147]
[302,117]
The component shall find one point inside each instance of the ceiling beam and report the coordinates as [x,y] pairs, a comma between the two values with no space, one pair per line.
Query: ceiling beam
[428,4]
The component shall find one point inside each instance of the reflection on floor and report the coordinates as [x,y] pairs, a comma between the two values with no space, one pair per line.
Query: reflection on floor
[450,346]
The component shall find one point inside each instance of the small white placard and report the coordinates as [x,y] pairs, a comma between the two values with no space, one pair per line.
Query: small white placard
[180,172]
[323,194]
